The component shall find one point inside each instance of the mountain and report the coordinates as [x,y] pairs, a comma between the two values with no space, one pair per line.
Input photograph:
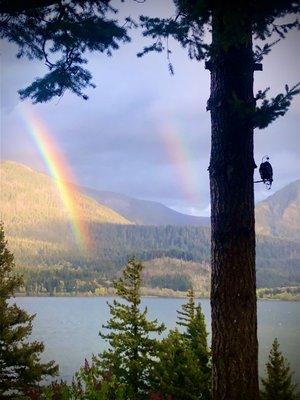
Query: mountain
[38,233]
[279,214]
[144,212]
[32,209]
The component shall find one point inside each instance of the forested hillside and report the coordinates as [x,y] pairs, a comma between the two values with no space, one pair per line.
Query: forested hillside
[277,259]
[38,233]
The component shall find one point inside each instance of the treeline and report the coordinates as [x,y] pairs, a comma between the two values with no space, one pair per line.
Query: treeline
[64,279]
[280,293]
[180,282]
[60,266]
[115,243]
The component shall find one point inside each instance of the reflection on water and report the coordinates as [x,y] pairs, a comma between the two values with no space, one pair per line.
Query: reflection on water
[69,327]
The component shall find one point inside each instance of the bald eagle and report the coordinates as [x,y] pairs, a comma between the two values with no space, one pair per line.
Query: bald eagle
[266,172]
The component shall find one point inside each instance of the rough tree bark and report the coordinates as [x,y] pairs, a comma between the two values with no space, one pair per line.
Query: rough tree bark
[233,292]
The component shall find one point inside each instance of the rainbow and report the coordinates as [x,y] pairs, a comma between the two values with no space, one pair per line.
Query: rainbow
[62,175]
[181,158]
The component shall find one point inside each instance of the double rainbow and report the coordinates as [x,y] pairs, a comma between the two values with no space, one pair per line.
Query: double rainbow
[61,174]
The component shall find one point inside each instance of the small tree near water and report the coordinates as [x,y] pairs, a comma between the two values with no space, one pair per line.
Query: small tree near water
[184,371]
[21,370]
[278,382]
[133,351]
[192,319]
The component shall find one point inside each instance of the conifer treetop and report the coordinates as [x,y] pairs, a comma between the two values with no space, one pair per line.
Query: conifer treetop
[21,370]
[278,381]
[133,350]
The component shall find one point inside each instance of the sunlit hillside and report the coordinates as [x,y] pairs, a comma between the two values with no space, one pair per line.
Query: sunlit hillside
[31,208]
[279,214]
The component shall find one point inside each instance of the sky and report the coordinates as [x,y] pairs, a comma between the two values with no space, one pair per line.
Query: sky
[143,132]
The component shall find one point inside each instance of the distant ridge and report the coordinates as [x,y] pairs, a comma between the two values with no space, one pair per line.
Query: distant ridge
[279,214]
[144,212]
[33,196]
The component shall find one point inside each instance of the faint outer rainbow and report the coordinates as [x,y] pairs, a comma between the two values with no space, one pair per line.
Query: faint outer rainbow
[181,158]
[62,175]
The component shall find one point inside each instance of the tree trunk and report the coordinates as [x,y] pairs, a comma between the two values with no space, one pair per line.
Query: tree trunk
[233,292]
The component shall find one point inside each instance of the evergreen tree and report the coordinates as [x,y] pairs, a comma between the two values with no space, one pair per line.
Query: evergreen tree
[278,382]
[21,370]
[192,318]
[184,369]
[179,374]
[235,112]
[222,34]
[59,33]
[133,351]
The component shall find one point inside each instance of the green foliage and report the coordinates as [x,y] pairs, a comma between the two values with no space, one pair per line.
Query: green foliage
[62,278]
[193,19]
[271,109]
[178,372]
[53,270]
[21,370]
[192,22]
[86,385]
[278,382]
[138,365]
[280,293]
[192,318]
[184,370]
[133,352]
[177,281]
[60,33]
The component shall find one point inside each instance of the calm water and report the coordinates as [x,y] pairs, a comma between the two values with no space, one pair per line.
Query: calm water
[69,327]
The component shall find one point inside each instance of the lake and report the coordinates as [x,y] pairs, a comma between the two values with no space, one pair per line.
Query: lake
[69,327]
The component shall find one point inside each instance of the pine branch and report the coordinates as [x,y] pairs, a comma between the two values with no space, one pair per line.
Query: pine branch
[60,35]
[271,109]
[260,52]
[189,33]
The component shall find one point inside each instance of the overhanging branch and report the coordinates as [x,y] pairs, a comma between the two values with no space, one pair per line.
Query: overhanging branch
[16,6]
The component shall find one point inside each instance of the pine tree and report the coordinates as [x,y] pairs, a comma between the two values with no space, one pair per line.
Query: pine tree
[179,375]
[21,371]
[231,57]
[184,369]
[278,382]
[133,351]
[192,318]
[59,33]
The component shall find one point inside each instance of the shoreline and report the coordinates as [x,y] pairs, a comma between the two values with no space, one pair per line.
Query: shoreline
[161,296]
